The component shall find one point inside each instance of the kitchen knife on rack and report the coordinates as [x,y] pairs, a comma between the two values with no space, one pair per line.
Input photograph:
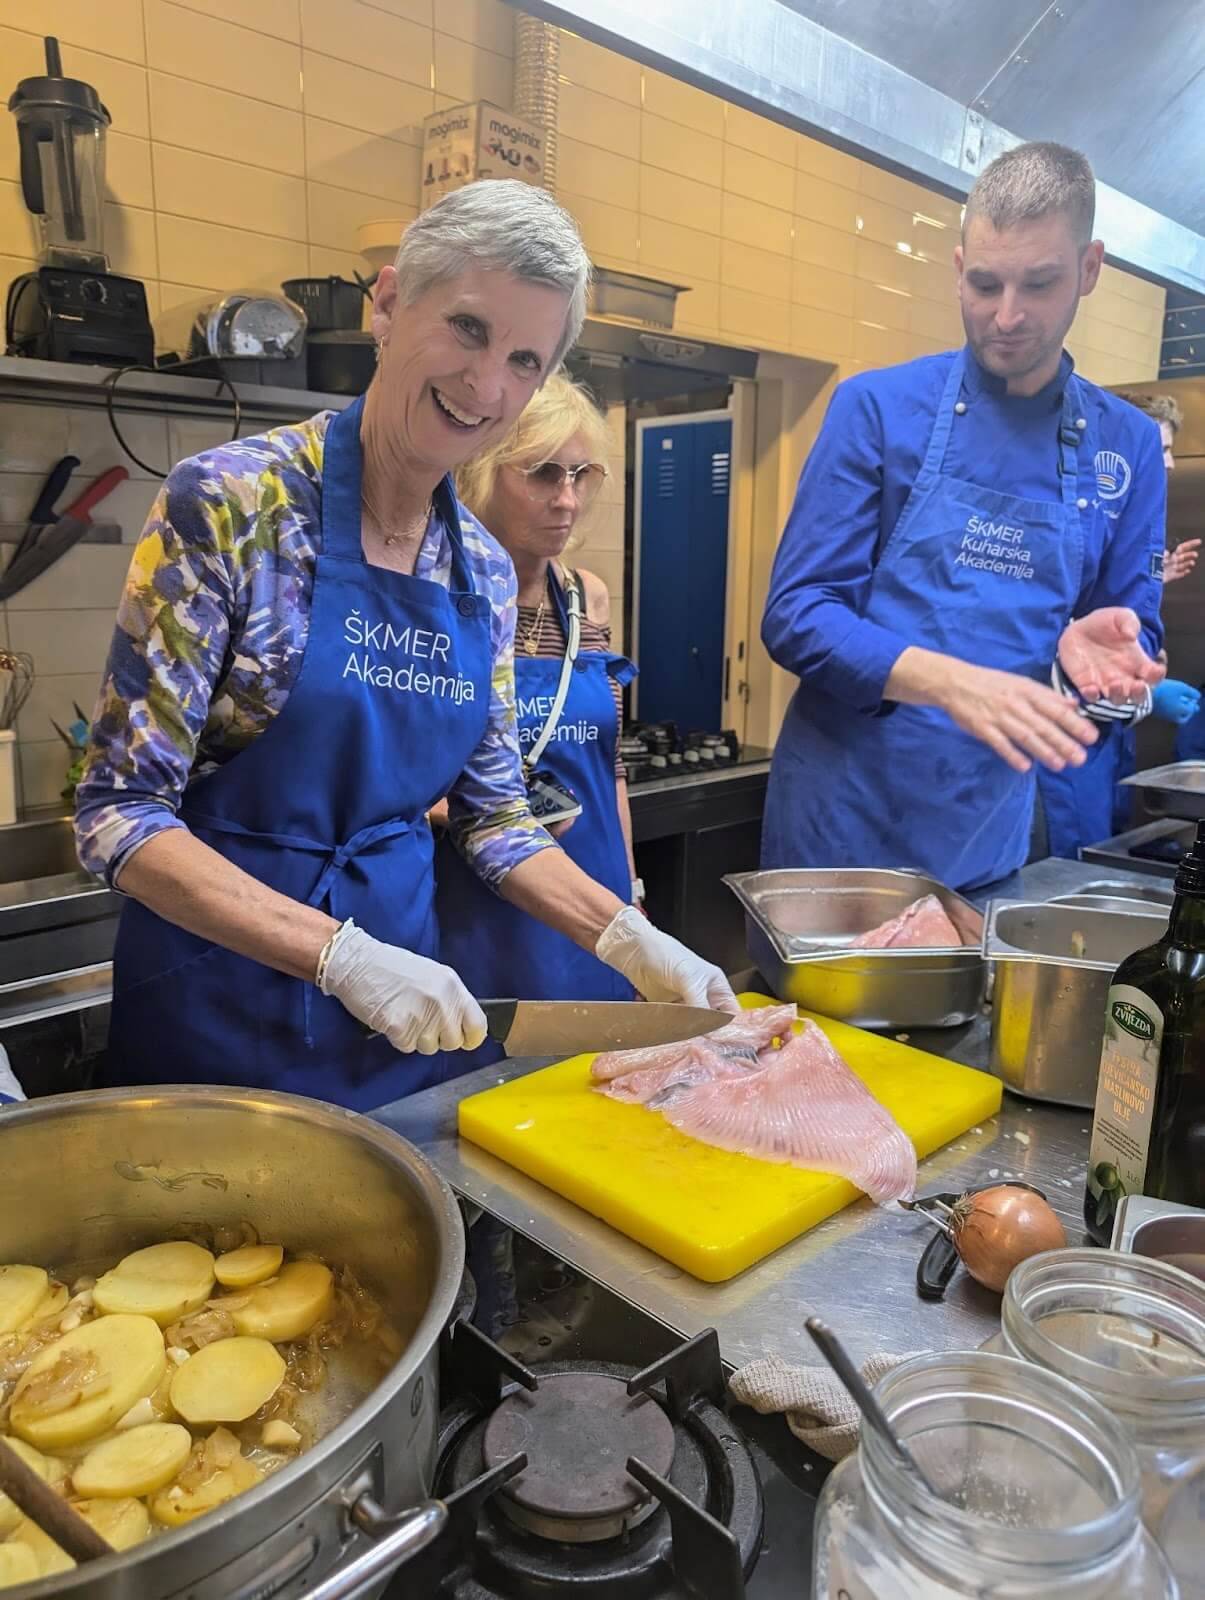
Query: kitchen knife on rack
[56,538]
[43,513]
[574,1027]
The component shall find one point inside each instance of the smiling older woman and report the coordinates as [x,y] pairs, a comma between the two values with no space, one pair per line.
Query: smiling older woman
[315,644]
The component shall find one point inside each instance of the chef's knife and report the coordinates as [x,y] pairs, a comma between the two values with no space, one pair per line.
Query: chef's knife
[572,1027]
[59,536]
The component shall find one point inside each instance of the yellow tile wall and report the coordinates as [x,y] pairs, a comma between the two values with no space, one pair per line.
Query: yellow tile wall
[251,137]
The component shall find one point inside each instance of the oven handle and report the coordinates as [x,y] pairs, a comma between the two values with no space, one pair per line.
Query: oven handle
[399,1535]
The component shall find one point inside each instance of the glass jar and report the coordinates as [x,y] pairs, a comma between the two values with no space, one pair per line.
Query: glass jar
[1037,1493]
[1131,1332]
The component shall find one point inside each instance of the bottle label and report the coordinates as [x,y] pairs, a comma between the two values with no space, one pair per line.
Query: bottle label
[1125,1099]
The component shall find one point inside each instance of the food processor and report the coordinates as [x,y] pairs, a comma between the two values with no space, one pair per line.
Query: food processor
[71,308]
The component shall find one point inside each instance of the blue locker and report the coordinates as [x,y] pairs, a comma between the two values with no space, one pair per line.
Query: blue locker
[685,475]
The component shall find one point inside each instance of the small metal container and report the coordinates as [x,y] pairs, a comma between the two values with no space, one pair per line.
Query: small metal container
[1158,1228]
[799,925]
[1175,790]
[1053,963]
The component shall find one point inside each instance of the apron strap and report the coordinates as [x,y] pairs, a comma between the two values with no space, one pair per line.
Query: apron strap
[338,856]
[572,623]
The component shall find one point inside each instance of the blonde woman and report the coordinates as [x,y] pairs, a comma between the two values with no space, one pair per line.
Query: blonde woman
[530,491]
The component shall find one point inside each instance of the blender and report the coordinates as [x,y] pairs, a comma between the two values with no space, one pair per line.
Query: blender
[72,308]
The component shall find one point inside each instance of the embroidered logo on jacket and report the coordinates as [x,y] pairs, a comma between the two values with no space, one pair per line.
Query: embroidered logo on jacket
[1112,474]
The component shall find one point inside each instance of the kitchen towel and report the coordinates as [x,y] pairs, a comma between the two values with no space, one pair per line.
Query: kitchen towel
[818,1408]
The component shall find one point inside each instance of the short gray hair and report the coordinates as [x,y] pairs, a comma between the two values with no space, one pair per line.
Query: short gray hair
[502,225]
[1033,180]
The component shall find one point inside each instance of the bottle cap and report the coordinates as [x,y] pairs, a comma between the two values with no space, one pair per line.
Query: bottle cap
[1190,875]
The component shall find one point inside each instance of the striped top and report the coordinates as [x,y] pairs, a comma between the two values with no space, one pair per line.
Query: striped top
[548,638]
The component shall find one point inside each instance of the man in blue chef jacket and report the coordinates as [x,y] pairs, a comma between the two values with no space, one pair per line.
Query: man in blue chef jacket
[972,561]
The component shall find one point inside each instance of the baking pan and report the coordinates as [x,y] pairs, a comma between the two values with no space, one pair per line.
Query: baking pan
[1176,790]
[801,921]
[1053,964]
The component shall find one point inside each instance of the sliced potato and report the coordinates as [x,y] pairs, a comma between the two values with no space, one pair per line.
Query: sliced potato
[18,1564]
[52,1304]
[136,1462]
[178,1504]
[48,1558]
[239,1269]
[22,1290]
[121,1522]
[297,1300]
[227,1381]
[46,1467]
[78,1387]
[164,1282]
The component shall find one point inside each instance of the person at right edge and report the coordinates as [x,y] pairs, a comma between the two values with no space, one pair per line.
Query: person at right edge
[971,564]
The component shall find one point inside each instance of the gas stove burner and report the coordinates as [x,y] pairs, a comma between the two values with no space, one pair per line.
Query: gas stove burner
[578,1431]
[590,1477]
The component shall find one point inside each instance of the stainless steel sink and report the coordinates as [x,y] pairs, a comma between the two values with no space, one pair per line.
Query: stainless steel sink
[41,848]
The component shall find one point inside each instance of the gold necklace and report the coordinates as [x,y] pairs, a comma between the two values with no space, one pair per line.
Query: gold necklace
[390,539]
[529,642]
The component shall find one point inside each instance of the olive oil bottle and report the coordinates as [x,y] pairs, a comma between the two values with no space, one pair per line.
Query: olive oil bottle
[1148,1133]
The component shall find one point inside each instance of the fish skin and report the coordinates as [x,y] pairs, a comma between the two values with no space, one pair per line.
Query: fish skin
[806,1108]
[924,925]
[753,1029]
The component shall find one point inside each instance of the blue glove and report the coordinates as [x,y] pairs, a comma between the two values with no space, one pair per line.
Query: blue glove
[1175,702]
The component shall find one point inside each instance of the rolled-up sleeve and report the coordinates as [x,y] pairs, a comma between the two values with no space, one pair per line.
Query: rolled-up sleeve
[1131,567]
[813,624]
[173,628]
[488,815]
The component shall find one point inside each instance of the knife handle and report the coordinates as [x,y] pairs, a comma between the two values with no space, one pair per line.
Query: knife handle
[499,1017]
[96,492]
[56,482]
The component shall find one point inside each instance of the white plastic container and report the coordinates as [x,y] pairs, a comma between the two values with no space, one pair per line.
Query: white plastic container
[8,777]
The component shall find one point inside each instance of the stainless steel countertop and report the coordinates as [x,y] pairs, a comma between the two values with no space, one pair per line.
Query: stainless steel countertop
[857,1269]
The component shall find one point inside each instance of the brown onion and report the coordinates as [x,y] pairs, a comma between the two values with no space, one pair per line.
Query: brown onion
[997,1228]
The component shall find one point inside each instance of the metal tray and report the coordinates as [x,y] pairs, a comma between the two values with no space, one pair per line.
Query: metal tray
[800,923]
[1171,1233]
[1175,790]
[1052,964]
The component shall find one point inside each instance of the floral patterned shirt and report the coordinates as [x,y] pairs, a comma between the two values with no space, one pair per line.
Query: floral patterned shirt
[210,634]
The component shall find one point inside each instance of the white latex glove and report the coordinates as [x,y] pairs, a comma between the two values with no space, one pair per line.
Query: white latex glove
[658,966]
[10,1089]
[417,1004]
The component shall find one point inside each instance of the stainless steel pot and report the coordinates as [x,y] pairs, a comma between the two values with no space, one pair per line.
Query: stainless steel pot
[86,1177]
[1052,964]
[799,924]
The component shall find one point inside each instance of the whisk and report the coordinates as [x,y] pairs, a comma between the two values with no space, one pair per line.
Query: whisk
[18,687]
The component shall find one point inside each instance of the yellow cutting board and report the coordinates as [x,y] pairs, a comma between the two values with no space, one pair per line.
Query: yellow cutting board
[708,1211]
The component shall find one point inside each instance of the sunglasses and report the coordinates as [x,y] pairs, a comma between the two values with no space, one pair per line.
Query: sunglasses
[547,478]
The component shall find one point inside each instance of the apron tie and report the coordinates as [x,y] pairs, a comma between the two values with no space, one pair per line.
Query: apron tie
[338,859]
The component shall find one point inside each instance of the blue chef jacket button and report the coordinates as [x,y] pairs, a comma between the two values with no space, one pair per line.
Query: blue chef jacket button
[960,407]
[1081,423]
[467,605]
[1082,504]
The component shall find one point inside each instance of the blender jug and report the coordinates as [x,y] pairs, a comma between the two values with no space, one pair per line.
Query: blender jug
[61,127]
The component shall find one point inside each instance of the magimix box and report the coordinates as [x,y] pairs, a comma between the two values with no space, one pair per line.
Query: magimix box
[463,143]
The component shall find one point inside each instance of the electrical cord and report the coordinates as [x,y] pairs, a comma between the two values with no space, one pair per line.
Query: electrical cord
[11,302]
[110,387]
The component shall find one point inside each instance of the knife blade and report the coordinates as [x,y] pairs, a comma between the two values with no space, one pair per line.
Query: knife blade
[572,1027]
[56,538]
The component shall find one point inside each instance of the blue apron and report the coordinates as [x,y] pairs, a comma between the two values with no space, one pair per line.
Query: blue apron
[328,806]
[500,951]
[1080,804]
[968,571]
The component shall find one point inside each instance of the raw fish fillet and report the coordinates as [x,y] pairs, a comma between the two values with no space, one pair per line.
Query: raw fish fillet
[923,925]
[658,1087]
[754,1029]
[807,1108]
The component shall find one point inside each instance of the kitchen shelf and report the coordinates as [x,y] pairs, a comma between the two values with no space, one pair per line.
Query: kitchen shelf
[158,393]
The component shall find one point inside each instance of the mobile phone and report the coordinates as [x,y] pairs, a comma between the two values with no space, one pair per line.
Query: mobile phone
[550,800]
